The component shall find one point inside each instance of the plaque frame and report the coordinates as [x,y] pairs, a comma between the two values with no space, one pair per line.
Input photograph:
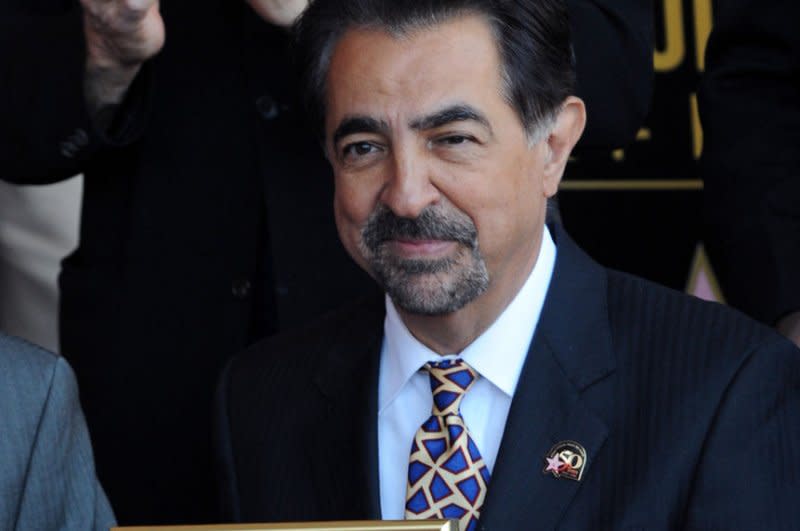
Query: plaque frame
[374,525]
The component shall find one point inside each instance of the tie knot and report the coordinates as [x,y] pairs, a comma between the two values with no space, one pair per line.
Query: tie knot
[450,379]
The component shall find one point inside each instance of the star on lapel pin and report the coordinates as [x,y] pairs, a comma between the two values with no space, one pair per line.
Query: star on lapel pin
[566,459]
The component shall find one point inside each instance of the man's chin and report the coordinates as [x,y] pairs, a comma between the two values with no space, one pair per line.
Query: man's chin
[430,294]
[425,307]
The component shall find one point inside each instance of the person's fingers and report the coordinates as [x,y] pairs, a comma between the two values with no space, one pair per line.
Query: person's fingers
[135,10]
[118,14]
[122,32]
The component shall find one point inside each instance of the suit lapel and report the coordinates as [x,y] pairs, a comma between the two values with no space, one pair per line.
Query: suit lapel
[570,352]
[345,455]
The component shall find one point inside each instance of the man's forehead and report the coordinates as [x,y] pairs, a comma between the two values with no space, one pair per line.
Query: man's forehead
[465,33]
[374,72]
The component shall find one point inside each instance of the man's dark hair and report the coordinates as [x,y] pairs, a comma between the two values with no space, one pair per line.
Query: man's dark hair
[532,35]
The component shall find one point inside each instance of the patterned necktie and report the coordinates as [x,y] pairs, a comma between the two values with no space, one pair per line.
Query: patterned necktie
[446,474]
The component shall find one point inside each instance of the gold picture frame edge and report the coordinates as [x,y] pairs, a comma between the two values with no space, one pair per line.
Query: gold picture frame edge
[376,525]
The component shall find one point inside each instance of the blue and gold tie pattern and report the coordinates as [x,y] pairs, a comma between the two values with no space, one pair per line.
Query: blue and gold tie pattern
[447,477]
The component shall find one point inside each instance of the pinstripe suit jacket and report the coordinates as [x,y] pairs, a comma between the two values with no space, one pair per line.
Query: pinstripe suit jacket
[689,413]
[47,478]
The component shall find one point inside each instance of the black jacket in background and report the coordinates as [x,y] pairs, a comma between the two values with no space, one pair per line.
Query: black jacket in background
[750,107]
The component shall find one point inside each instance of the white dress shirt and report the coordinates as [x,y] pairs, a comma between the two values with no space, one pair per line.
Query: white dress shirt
[404,393]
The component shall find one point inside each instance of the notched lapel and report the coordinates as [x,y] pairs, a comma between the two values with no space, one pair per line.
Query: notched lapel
[547,410]
[571,351]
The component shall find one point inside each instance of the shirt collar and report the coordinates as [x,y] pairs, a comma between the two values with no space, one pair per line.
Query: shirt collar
[498,354]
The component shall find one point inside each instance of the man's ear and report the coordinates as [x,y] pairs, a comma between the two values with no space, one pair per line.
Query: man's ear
[568,128]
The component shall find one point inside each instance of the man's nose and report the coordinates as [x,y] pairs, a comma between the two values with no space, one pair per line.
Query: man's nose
[409,187]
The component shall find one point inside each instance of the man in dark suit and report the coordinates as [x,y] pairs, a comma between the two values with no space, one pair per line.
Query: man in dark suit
[206,220]
[507,380]
[750,106]
[47,478]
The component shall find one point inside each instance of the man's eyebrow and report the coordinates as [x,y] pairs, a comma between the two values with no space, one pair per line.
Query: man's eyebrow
[359,124]
[454,113]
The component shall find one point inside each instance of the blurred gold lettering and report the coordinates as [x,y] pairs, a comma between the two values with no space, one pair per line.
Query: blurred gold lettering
[674,51]
[697,127]
[702,28]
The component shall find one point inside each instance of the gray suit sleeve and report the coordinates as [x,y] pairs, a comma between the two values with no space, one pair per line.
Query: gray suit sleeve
[49,477]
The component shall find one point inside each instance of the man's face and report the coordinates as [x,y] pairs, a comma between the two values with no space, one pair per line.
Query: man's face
[439,195]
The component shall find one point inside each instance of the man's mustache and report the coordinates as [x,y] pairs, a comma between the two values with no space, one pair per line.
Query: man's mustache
[433,223]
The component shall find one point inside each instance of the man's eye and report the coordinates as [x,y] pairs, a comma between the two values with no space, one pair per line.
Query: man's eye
[454,140]
[358,149]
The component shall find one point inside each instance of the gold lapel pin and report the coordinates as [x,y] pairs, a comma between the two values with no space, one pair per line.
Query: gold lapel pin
[566,459]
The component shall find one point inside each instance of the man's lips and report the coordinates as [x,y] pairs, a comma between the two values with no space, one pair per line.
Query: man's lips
[420,249]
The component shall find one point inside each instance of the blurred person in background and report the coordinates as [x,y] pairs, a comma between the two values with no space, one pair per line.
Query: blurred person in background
[206,219]
[750,109]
